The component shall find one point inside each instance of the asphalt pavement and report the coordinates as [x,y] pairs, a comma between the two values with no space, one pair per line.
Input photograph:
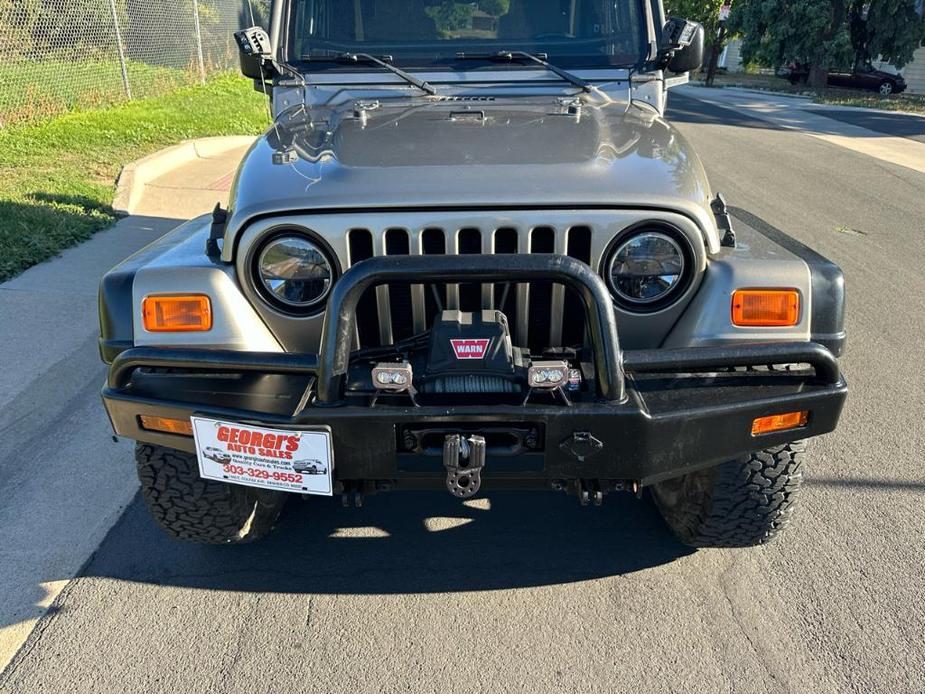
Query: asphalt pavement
[530,592]
[896,124]
[892,137]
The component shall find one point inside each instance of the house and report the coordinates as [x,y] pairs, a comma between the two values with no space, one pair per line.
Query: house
[914,73]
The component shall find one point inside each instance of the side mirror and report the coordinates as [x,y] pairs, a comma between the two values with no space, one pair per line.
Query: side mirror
[682,45]
[254,50]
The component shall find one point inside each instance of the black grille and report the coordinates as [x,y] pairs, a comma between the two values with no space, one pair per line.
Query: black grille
[541,314]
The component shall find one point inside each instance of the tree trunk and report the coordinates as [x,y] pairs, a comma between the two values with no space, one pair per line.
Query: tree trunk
[819,73]
[818,76]
[715,50]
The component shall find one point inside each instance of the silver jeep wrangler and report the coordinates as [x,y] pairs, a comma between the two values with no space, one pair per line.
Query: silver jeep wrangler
[470,253]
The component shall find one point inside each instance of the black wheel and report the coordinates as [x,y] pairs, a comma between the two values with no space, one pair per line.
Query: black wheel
[741,503]
[886,88]
[188,507]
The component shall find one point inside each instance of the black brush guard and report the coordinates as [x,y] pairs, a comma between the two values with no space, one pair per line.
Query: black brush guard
[657,414]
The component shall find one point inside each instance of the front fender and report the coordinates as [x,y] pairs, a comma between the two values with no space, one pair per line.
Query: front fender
[177,263]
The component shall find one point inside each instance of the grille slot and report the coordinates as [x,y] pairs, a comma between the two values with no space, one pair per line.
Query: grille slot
[400,304]
[506,294]
[573,317]
[433,242]
[360,247]
[539,309]
[469,242]
[541,314]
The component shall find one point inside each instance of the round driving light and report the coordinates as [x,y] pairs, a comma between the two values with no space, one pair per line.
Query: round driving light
[646,268]
[295,271]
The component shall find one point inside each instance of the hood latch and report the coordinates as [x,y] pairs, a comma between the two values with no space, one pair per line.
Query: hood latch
[362,108]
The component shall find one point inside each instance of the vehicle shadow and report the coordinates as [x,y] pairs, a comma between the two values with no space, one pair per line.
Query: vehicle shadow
[405,543]
[892,124]
[683,108]
[686,109]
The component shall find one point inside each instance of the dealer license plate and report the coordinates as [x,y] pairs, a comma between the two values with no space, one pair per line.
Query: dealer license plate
[289,461]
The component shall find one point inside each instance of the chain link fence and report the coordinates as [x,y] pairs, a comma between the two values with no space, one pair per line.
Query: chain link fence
[64,54]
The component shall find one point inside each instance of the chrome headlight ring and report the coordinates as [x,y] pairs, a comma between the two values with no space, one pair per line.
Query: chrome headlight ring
[293,271]
[649,267]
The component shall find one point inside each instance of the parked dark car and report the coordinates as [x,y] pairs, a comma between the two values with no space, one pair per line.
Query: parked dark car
[861,77]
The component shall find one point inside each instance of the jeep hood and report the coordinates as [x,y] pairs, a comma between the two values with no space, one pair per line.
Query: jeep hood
[510,154]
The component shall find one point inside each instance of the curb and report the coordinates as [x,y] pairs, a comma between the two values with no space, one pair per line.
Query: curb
[866,109]
[767,92]
[786,95]
[750,90]
[135,176]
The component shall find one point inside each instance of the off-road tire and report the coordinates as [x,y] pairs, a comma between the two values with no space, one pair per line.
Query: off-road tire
[188,507]
[741,503]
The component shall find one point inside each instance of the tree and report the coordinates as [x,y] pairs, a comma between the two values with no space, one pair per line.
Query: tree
[707,13]
[811,32]
[890,29]
[704,11]
[451,16]
[496,8]
[827,34]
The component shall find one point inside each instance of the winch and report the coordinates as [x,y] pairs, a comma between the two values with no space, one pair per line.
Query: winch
[472,353]
[464,356]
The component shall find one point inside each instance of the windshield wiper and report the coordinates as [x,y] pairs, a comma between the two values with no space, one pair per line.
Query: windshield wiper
[538,58]
[383,62]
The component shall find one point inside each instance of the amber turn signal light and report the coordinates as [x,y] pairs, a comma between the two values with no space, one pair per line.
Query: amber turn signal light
[169,426]
[779,422]
[188,313]
[765,307]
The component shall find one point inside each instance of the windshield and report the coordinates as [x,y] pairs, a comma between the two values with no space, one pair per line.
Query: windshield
[431,33]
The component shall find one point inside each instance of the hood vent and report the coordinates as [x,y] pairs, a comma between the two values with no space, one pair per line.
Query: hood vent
[463,98]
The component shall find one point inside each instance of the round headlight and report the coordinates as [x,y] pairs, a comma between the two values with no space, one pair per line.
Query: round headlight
[295,272]
[646,268]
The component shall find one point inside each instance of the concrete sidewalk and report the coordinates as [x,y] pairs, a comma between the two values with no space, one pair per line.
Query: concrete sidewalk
[194,187]
[806,117]
[63,481]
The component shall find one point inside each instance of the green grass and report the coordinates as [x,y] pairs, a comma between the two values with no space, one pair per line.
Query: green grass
[31,91]
[57,177]
[907,103]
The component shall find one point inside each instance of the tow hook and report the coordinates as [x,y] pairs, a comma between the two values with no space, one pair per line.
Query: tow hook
[351,492]
[463,459]
[588,491]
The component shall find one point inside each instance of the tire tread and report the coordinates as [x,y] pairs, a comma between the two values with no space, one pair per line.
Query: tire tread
[740,503]
[188,507]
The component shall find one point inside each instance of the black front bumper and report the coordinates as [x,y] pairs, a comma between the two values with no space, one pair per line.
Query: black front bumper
[656,414]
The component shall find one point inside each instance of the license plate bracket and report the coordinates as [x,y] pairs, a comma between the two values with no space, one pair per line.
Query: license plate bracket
[297,461]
